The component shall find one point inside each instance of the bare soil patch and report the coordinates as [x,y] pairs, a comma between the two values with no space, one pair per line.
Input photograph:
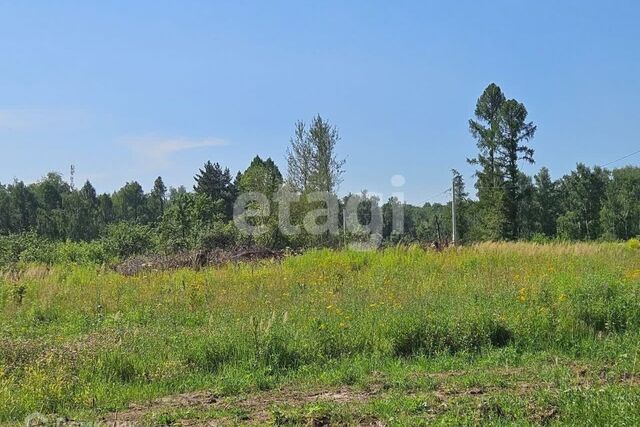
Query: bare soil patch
[257,406]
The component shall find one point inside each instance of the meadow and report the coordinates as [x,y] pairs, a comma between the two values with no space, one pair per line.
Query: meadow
[505,333]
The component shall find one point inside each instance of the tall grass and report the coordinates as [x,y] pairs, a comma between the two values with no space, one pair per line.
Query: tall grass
[82,338]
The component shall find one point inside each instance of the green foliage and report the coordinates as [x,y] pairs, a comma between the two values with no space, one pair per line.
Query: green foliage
[546,203]
[432,335]
[262,176]
[129,203]
[81,342]
[215,182]
[583,193]
[127,239]
[28,247]
[83,219]
[501,130]
[209,355]
[620,214]
[219,235]
[82,253]
[311,159]
[540,238]
[118,366]
[586,204]
[157,200]
[634,243]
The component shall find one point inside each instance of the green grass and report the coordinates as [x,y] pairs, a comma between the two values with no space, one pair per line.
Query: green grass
[494,334]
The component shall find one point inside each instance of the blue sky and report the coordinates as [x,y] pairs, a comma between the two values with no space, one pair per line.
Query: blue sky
[129,90]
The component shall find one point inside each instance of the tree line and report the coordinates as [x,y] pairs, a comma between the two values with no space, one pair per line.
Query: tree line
[588,203]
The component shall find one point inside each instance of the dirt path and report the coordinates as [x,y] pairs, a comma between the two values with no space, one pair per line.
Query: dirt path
[260,408]
[256,406]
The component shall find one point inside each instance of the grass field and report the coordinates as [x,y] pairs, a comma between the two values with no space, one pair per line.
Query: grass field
[491,334]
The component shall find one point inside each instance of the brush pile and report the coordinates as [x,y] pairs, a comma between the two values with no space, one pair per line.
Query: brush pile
[195,259]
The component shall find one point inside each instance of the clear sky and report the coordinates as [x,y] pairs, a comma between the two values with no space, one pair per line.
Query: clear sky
[129,90]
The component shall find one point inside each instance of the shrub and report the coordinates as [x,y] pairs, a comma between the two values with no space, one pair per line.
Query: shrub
[30,248]
[634,244]
[218,235]
[273,237]
[27,247]
[127,239]
[81,253]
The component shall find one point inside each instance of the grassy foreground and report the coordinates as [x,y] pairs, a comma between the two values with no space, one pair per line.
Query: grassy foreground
[492,334]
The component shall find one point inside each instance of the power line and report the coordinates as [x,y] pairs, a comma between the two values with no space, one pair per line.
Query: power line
[474,175]
[439,194]
[621,158]
[602,166]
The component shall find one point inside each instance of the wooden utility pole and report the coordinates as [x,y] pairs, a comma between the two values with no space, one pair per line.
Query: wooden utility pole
[453,212]
[344,224]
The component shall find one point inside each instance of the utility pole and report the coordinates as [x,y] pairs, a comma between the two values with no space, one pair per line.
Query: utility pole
[453,212]
[344,225]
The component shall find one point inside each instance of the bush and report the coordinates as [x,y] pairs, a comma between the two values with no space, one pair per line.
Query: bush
[81,253]
[125,239]
[218,235]
[27,247]
[30,248]
[634,244]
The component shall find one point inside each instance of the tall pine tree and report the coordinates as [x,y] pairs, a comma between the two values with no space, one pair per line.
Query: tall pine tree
[215,182]
[501,131]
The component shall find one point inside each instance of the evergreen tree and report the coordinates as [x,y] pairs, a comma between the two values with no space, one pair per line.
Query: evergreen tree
[157,200]
[236,185]
[462,207]
[514,132]
[526,219]
[214,182]
[501,131]
[393,208]
[490,183]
